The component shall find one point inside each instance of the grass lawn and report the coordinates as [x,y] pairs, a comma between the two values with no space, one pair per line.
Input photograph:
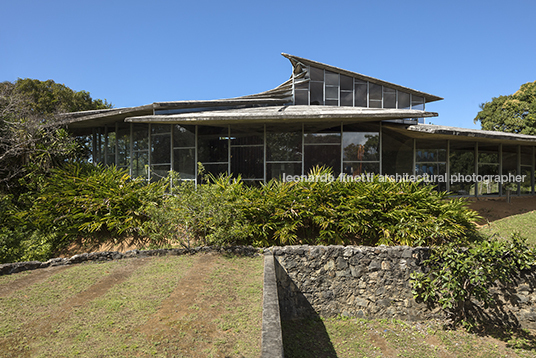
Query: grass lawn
[523,223]
[348,338]
[181,306]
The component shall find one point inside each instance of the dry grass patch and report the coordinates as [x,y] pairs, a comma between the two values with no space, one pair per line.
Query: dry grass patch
[195,306]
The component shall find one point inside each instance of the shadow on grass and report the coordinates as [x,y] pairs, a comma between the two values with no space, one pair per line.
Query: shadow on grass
[499,321]
[306,337]
[304,332]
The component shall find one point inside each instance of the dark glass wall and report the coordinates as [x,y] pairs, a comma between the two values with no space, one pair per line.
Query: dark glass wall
[261,152]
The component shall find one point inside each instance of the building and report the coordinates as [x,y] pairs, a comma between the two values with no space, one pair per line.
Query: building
[322,115]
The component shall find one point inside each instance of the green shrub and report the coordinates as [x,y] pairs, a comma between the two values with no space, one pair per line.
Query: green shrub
[458,276]
[93,204]
[365,213]
[207,215]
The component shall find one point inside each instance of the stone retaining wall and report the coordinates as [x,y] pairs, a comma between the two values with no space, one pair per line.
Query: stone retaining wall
[374,282]
[10,268]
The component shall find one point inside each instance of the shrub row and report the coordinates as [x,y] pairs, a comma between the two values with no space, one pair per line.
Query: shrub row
[91,205]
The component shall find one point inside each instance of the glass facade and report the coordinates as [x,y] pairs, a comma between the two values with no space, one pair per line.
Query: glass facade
[333,89]
[260,152]
[431,161]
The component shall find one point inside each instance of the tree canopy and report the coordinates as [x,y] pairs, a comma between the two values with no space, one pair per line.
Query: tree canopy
[31,139]
[515,113]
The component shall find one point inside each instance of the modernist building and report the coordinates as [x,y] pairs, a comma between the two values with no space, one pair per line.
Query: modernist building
[322,115]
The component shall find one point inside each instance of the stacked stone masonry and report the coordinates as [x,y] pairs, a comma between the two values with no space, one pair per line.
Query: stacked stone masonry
[374,282]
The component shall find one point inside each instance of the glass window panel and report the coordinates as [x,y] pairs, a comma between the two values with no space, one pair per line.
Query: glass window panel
[375,92]
[161,149]
[248,162]
[110,159]
[462,165]
[331,78]
[526,156]
[301,85]
[301,97]
[316,74]
[347,98]
[139,164]
[397,153]
[361,146]
[323,155]
[247,135]
[214,169]
[361,95]
[435,172]
[526,185]
[375,104]
[98,155]
[509,157]
[110,143]
[317,93]
[140,136]
[123,145]
[417,102]
[183,136]
[332,92]
[278,170]
[160,128]
[431,150]
[283,146]
[159,171]
[488,154]
[315,134]
[332,102]
[403,100]
[356,169]
[488,187]
[347,83]
[389,98]
[110,146]
[212,144]
[184,163]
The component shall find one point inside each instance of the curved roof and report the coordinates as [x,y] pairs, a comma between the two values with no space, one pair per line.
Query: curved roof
[269,105]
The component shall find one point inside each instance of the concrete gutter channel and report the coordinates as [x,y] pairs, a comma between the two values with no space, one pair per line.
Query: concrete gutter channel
[272,338]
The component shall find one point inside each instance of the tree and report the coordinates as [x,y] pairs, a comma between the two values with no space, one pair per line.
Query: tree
[31,139]
[515,113]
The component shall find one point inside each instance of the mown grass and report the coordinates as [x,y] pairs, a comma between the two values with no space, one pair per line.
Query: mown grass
[523,223]
[336,337]
[135,316]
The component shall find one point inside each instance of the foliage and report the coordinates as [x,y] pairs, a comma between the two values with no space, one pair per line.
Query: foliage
[515,113]
[318,211]
[96,204]
[459,276]
[48,97]
[207,215]
[31,137]
[521,222]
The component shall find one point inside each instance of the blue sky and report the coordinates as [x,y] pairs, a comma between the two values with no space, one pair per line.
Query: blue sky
[138,52]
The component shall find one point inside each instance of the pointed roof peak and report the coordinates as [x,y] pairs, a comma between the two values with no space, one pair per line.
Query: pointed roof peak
[296,60]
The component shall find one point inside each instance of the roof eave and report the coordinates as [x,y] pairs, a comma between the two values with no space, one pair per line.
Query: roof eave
[431,131]
[284,114]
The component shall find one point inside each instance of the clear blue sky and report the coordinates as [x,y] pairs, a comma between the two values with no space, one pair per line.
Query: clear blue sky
[138,52]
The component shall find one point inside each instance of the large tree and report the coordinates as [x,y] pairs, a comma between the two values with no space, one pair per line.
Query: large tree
[515,113]
[31,140]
